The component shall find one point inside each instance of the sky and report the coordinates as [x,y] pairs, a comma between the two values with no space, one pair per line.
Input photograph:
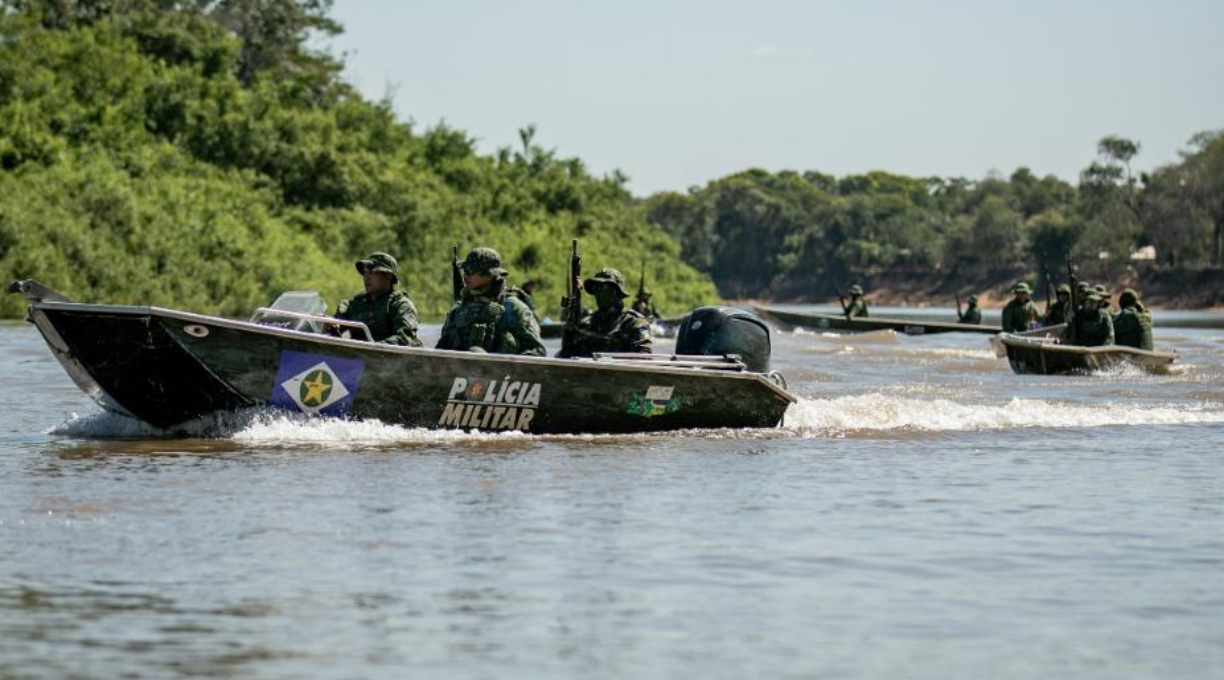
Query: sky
[676,93]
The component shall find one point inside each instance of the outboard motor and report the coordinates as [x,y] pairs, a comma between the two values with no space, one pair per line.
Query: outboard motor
[714,331]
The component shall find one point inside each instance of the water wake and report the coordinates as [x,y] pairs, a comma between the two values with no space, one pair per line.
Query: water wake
[866,413]
[881,412]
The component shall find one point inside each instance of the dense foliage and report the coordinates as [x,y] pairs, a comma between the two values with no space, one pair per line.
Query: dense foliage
[198,154]
[791,234]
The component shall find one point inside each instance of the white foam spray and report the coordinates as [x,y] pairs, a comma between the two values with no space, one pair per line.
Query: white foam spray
[882,412]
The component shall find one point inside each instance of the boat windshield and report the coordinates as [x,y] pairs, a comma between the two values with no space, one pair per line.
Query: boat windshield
[296,303]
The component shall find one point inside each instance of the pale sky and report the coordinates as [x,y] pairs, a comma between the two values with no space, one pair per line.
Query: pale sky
[678,92]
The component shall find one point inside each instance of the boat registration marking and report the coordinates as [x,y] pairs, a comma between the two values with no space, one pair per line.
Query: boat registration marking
[659,400]
[483,404]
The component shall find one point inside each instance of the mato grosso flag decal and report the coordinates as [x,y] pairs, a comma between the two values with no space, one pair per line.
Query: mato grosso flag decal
[315,384]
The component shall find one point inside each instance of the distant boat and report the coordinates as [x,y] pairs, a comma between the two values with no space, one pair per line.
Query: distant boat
[1044,355]
[842,324]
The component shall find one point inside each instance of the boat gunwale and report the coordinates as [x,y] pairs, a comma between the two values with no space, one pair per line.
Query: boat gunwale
[1033,343]
[247,326]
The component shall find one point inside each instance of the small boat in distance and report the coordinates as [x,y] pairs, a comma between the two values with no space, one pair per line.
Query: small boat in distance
[167,367]
[843,324]
[1045,355]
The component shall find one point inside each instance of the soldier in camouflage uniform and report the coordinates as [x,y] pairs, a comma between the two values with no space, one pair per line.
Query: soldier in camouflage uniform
[485,318]
[612,328]
[1106,299]
[1020,314]
[526,293]
[1057,313]
[972,313]
[1092,326]
[387,312]
[642,305]
[1133,323]
[857,305]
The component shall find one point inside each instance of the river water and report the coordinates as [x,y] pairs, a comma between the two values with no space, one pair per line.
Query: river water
[923,513]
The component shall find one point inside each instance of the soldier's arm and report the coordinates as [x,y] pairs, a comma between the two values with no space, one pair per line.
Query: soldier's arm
[403,323]
[635,334]
[342,309]
[522,324]
[446,340]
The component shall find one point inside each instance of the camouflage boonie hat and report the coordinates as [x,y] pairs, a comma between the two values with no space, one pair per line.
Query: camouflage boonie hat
[856,290]
[1022,287]
[379,262]
[1083,286]
[1093,297]
[1062,288]
[1128,297]
[483,262]
[973,298]
[605,277]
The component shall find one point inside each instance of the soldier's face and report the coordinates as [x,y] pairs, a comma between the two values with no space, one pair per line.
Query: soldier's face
[471,281]
[1022,297]
[375,282]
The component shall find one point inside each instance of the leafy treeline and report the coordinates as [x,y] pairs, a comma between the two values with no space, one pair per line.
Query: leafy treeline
[198,154]
[794,234]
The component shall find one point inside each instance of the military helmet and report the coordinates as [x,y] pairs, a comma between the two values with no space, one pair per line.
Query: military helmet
[483,262]
[1022,287]
[1128,298]
[973,299]
[856,289]
[379,262]
[1063,288]
[605,277]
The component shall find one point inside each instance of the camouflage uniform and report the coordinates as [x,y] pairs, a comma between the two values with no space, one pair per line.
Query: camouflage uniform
[1057,313]
[973,313]
[485,319]
[857,306]
[642,305]
[1091,328]
[1018,316]
[1133,324]
[612,328]
[391,317]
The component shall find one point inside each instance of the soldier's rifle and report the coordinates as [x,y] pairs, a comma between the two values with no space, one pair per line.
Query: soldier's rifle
[1070,317]
[456,273]
[1048,294]
[841,297]
[571,304]
[642,281]
[959,315]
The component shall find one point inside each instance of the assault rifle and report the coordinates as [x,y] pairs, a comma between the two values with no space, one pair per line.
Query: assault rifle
[1070,319]
[571,304]
[959,315]
[456,273]
[1048,294]
[841,297]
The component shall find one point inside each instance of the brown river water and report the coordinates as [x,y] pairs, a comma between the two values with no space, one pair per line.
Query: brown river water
[922,513]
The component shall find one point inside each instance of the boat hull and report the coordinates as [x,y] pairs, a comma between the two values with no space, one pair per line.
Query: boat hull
[1040,356]
[167,367]
[842,324]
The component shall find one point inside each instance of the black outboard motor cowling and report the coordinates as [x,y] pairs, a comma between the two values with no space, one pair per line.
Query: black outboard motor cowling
[714,331]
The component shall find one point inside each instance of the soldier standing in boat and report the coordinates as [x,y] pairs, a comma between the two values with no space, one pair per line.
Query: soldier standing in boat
[642,305]
[387,312]
[1092,326]
[1057,313]
[1133,323]
[972,313]
[1020,314]
[857,307]
[485,318]
[611,328]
